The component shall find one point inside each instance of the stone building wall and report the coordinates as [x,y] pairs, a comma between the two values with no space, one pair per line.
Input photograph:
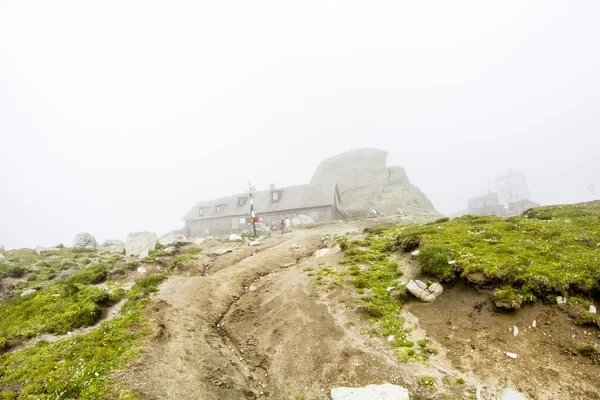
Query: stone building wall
[236,224]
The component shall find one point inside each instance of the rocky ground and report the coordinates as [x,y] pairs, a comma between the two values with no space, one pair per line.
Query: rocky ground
[287,320]
[259,326]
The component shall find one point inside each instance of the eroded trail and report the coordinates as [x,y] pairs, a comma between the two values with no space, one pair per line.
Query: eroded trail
[188,358]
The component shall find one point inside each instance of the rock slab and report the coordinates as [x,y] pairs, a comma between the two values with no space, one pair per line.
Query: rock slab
[422,292]
[386,391]
[84,240]
[140,243]
[235,238]
[511,394]
[113,245]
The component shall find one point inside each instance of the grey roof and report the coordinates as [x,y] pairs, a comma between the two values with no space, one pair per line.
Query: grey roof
[290,198]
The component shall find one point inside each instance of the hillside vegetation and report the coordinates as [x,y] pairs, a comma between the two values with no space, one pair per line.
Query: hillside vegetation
[69,289]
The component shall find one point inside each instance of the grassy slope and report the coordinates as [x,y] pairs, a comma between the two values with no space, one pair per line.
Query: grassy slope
[548,251]
[77,367]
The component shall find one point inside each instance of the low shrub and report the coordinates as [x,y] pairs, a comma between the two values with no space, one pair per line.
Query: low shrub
[433,260]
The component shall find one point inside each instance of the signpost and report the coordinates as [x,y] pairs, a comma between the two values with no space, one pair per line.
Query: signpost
[252,216]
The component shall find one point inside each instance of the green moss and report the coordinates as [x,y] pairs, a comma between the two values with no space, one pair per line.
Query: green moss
[587,349]
[548,250]
[148,284]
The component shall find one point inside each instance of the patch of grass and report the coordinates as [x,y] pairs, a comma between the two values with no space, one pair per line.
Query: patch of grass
[51,310]
[181,260]
[148,284]
[90,275]
[548,250]
[195,250]
[587,349]
[427,381]
[460,381]
[79,367]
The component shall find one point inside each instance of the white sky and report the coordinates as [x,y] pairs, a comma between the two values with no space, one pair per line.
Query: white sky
[117,116]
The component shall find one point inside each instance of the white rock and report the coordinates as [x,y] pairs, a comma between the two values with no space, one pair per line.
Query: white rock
[251,288]
[391,338]
[114,246]
[171,250]
[235,238]
[511,394]
[27,292]
[140,243]
[386,391]
[511,355]
[294,246]
[534,324]
[84,240]
[436,289]
[415,253]
[200,241]
[141,270]
[171,239]
[561,300]
[593,309]
[420,293]
[39,249]
[390,288]
[515,331]
[421,284]
[321,253]
[452,262]
[254,243]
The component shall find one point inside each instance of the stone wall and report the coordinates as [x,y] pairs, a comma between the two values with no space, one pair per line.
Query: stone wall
[227,225]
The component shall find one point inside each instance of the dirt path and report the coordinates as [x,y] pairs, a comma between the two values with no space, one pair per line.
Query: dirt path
[254,326]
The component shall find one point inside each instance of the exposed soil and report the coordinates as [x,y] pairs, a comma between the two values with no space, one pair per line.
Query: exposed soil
[476,338]
[250,324]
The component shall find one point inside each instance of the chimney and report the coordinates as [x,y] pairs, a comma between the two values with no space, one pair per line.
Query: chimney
[272,187]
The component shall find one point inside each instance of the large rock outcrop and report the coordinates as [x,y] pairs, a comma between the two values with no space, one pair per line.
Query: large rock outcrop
[367,184]
[140,243]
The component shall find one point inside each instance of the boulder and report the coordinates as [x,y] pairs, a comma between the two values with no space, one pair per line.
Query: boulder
[28,292]
[254,243]
[321,253]
[386,391]
[113,245]
[365,182]
[422,292]
[173,240]
[40,250]
[511,394]
[84,240]
[200,241]
[262,229]
[171,250]
[140,243]
[141,270]
[296,222]
[235,238]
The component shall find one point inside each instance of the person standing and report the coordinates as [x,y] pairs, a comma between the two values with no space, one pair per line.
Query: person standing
[282,226]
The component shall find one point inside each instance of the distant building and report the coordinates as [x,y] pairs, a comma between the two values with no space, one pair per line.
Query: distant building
[510,198]
[231,214]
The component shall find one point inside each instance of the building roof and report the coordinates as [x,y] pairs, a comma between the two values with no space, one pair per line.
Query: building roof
[290,198]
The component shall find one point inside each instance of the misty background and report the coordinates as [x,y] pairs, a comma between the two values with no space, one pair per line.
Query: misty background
[118,116]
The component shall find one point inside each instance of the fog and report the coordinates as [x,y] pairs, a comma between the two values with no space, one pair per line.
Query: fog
[118,116]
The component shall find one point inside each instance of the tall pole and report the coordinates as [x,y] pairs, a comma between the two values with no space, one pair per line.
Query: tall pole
[252,216]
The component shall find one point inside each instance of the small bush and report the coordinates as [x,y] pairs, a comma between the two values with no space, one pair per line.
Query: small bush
[428,381]
[433,260]
[90,275]
[195,250]
[460,381]
[441,220]
[8,396]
